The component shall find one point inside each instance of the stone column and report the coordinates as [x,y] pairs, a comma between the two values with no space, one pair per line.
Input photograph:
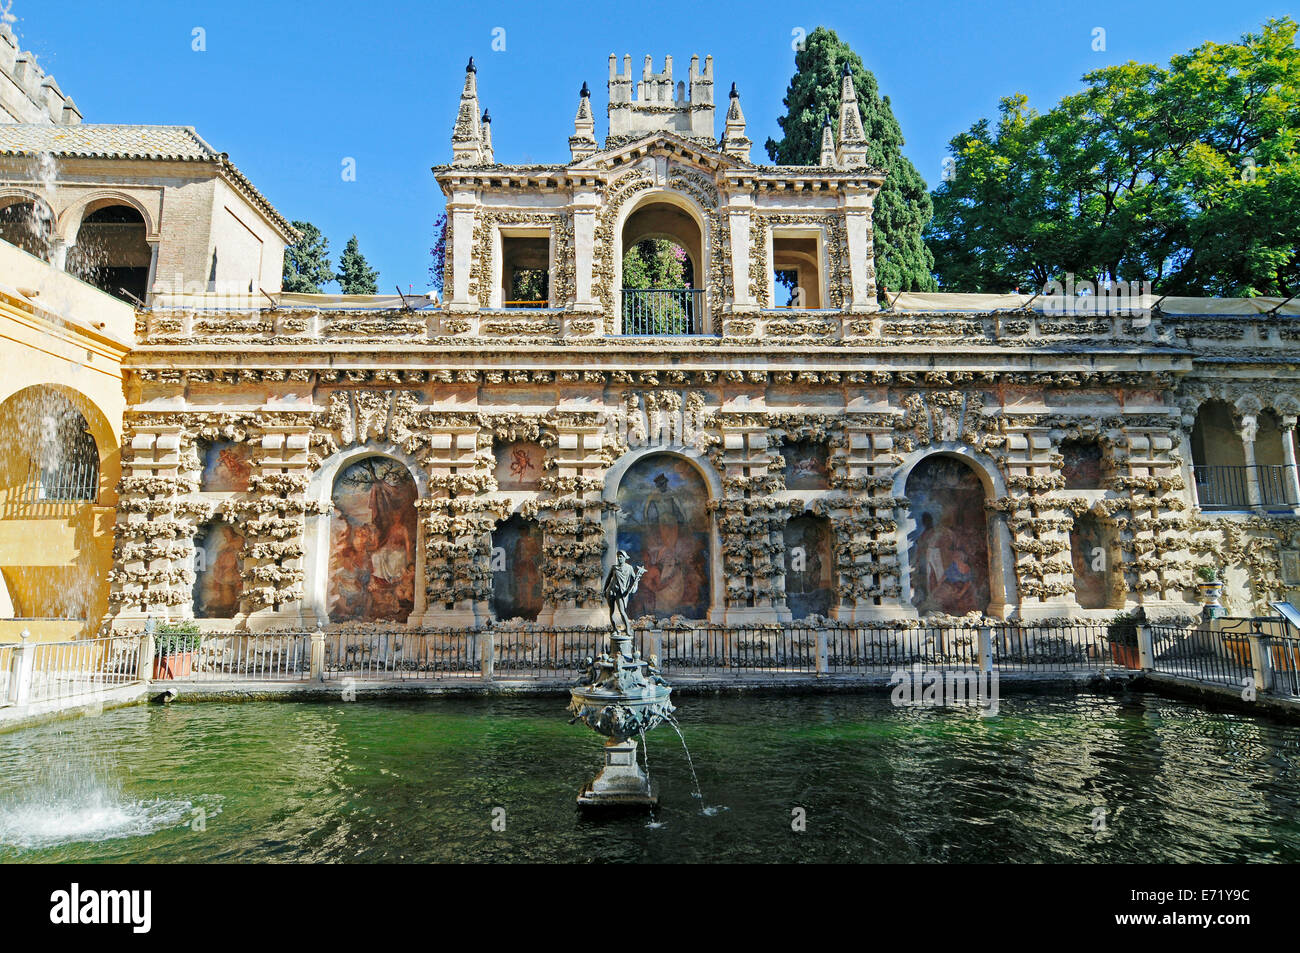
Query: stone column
[586,203]
[861,264]
[1249,428]
[738,220]
[461,210]
[578,459]
[1288,458]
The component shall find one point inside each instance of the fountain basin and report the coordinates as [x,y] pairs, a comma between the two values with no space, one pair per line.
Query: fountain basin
[621,715]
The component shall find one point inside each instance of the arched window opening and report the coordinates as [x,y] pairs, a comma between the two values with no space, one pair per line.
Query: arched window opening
[663,525]
[1219,458]
[63,457]
[662,260]
[372,543]
[809,566]
[1270,461]
[948,545]
[517,569]
[218,580]
[111,252]
[29,226]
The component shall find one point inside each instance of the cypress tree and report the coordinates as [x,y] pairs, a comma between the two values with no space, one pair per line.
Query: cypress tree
[903,207]
[356,277]
[307,261]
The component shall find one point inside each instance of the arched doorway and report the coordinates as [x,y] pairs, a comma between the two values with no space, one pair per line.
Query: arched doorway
[948,548]
[663,525]
[372,542]
[112,253]
[661,255]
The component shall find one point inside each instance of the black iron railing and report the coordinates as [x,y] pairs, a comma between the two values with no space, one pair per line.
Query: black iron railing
[1228,487]
[663,311]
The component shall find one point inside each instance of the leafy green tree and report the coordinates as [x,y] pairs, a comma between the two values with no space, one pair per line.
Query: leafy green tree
[903,207]
[356,277]
[1187,177]
[657,263]
[307,262]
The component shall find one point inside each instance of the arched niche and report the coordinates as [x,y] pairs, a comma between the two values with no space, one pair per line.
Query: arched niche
[373,533]
[218,577]
[516,564]
[1092,557]
[663,523]
[809,566]
[957,560]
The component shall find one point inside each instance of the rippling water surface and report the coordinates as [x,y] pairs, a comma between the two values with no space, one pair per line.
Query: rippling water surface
[419,781]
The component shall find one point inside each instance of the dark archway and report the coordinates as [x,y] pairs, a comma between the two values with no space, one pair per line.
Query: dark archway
[111,252]
[809,566]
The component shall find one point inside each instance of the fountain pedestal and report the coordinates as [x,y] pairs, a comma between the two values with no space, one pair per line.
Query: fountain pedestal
[620,696]
[621,781]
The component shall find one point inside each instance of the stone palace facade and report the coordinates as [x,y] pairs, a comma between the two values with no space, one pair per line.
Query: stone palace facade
[775,441]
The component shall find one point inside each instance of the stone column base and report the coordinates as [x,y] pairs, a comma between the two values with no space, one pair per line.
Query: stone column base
[621,783]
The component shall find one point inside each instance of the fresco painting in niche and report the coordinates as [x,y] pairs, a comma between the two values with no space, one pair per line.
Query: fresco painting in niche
[372,543]
[516,569]
[226,467]
[1081,466]
[808,585]
[948,546]
[663,524]
[1090,556]
[806,466]
[519,465]
[217,582]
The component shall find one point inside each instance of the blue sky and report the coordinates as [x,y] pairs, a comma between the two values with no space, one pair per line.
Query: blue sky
[290,90]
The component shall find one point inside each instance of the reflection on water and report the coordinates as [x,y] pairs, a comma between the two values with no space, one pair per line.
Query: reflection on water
[1052,778]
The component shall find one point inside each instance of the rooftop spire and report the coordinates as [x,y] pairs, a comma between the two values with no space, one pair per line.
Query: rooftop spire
[734,141]
[828,141]
[583,141]
[466,135]
[853,141]
[486,126]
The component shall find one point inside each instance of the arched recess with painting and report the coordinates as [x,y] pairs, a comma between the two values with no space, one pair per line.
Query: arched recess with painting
[957,559]
[364,552]
[662,521]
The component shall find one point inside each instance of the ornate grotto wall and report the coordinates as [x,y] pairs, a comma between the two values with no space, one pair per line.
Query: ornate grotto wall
[303,425]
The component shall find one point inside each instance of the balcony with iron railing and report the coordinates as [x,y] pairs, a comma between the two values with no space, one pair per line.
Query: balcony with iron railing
[1228,487]
[663,312]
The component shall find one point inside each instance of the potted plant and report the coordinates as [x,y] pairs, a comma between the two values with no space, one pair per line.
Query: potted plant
[1211,587]
[1122,634]
[174,645]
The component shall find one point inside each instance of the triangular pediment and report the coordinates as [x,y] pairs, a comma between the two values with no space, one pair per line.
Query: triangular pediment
[686,151]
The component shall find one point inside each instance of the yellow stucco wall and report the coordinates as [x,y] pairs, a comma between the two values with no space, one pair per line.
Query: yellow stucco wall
[57,334]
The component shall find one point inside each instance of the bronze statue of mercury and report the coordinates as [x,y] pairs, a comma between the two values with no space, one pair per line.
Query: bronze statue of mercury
[620,585]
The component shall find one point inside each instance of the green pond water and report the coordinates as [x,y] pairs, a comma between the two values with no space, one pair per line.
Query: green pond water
[420,780]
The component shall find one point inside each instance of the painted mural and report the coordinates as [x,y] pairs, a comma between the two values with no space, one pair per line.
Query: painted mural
[226,467]
[517,569]
[217,582]
[806,465]
[663,524]
[1090,556]
[808,564]
[519,465]
[1081,466]
[948,546]
[372,543]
